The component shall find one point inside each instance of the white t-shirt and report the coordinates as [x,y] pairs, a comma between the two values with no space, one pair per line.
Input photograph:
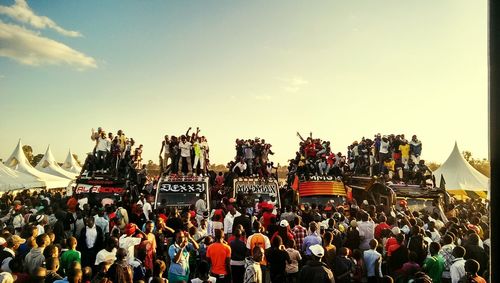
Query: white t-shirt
[105,256]
[384,147]
[146,208]
[103,144]
[185,149]
[211,279]
[129,243]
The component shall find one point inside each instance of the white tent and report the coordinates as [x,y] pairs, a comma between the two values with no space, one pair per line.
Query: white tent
[14,180]
[71,165]
[18,161]
[49,165]
[460,177]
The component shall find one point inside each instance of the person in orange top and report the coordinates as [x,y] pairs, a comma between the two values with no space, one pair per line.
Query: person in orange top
[219,257]
[471,269]
[261,240]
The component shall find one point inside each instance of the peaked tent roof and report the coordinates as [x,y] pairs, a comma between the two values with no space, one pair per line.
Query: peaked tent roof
[71,165]
[18,161]
[49,165]
[460,175]
[13,180]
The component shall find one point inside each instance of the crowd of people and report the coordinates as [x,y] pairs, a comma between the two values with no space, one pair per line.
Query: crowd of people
[49,237]
[392,156]
[185,154]
[252,158]
[115,155]
[316,158]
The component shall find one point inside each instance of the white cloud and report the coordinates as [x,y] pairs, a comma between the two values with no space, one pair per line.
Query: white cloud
[263,97]
[21,12]
[293,84]
[30,48]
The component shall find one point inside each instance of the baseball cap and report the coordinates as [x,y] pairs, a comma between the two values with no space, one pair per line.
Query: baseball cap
[317,250]
[396,230]
[17,240]
[284,223]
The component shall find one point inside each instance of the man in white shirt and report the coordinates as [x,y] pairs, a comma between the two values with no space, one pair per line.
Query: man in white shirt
[383,152]
[185,148]
[146,206]
[201,207]
[240,168]
[366,229]
[101,221]
[457,268]
[373,262]
[128,241]
[229,220]
[108,254]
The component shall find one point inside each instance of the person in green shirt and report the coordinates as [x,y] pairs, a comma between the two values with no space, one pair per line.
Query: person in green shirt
[69,256]
[434,265]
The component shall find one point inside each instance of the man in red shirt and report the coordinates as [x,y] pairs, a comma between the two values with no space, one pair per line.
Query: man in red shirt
[381,226]
[219,257]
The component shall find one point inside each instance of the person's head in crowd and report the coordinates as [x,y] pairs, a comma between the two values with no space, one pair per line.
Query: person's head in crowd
[317,251]
[51,251]
[474,239]
[52,263]
[257,227]
[237,232]
[277,242]
[42,241]
[382,218]
[159,267]
[373,244]
[471,267]
[447,239]
[327,238]
[434,248]
[14,241]
[150,226]
[219,235]
[400,238]
[313,226]
[39,275]
[71,243]
[257,253]
[52,236]
[111,243]
[121,254]
[208,240]
[458,252]
[297,221]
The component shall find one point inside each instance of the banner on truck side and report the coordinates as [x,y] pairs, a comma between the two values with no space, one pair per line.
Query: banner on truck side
[85,189]
[256,187]
[183,187]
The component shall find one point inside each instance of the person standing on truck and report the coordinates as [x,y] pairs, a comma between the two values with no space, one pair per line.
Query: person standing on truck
[185,148]
[415,149]
[383,153]
[166,154]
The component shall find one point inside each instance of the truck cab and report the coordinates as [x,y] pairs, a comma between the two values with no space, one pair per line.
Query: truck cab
[181,192]
[252,189]
[326,191]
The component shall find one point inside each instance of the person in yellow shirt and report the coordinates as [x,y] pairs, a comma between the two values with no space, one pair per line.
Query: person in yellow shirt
[389,167]
[404,147]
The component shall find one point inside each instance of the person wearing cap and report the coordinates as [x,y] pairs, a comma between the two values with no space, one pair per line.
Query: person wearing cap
[373,262]
[10,251]
[129,240]
[284,232]
[315,270]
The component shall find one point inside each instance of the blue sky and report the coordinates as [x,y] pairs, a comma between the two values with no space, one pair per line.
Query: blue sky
[241,69]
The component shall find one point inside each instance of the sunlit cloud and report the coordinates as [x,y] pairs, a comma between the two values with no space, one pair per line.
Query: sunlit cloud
[30,48]
[293,84]
[22,13]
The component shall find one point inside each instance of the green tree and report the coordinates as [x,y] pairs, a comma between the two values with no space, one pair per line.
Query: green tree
[37,158]
[77,161]
[28,152]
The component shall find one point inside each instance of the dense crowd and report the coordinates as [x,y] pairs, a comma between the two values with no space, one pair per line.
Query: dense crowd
[252,158]
[113,154]
[184,154]
[49,237]
[391,156]
[316,158]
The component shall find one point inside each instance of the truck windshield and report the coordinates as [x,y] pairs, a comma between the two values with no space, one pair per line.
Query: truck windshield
[339,200]
[177,199]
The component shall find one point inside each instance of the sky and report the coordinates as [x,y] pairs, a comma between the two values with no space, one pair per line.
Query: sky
[342,70]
